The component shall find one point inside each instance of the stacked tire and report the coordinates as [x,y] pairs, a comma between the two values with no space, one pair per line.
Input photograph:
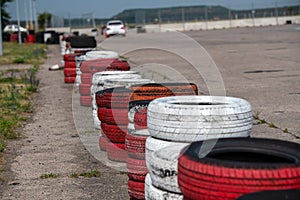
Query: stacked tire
[141,96]
[89,56]
[235,168]
[98,83]
[114,122]
[113,115]
[70,67]
[87,69]
[173,122]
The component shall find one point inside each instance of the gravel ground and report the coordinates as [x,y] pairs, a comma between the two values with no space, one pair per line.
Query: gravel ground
[258,64]
[50,144]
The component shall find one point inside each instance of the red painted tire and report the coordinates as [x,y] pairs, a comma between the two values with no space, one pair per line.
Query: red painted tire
[71,56]
[101,113]
[153,91]
[86,101]
[93,66]
[84,89]
[102,143]
[136,146]
[99,96]
[70,64]
[86,78]
[116,116]
[70,72]
[116,152]
[114,133]
[69,79]
[116,98]
[136,189]
[136,169]
[140,119]
[119,65]
[239,166]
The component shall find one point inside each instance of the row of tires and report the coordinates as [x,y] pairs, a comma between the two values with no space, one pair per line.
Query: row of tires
[181,146]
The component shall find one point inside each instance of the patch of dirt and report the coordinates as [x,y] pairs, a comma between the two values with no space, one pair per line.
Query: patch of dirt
[49,145]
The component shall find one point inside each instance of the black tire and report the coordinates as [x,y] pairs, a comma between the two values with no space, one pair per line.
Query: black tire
[271,195]
[83,42]
[238,166]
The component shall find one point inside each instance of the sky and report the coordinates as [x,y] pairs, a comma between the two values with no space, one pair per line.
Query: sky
[109,8]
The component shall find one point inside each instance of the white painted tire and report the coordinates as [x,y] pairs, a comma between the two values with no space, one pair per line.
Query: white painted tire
[97,122]
[130,128]
[163,167]
[196,118]
[153,193]
[154,144]
[97,77]
[92,55]
[121,82]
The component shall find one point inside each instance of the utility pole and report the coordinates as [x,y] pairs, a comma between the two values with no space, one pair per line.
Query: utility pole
[183,18]
[229,16]
[253,14]
[36,24]
[30,14]
[18,19]
[26,13]
[206,17]
[1,48]
[276,13]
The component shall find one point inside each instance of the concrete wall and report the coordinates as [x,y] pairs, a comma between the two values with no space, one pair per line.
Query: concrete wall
[271,21]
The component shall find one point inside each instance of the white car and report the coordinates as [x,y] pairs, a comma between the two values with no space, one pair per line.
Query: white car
[115,27]
[14,28]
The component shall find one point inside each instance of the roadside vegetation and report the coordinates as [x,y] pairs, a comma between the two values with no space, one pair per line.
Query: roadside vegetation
[17,87]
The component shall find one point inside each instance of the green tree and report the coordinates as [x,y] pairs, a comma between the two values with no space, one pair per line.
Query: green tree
[44,20]
[5,16]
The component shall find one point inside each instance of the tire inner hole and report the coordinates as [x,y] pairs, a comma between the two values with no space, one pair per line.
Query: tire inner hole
[251,157]
[199,104]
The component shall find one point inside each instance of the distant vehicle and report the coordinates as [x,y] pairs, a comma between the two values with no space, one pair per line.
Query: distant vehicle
[14,28]
[115,27]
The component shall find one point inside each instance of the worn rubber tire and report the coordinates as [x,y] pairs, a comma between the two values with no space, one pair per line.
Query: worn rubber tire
[136,169]
[153,193]
[140,119]
[86,101]
[70,72]
[163,167]
[69,79]
[99,77]
[102,143]
[238,166]
[271,195]
[116,116]
[101,114]
[135,106]
[83,42]
[196,118]
[84,89]
[153,145]
[92,55]
[114,133]
[70,64]
[136,189]
[94,66]
[119,65]
[86,78]
[116,98]
[136,146]
[172,89]
[116,152]
[99,96]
